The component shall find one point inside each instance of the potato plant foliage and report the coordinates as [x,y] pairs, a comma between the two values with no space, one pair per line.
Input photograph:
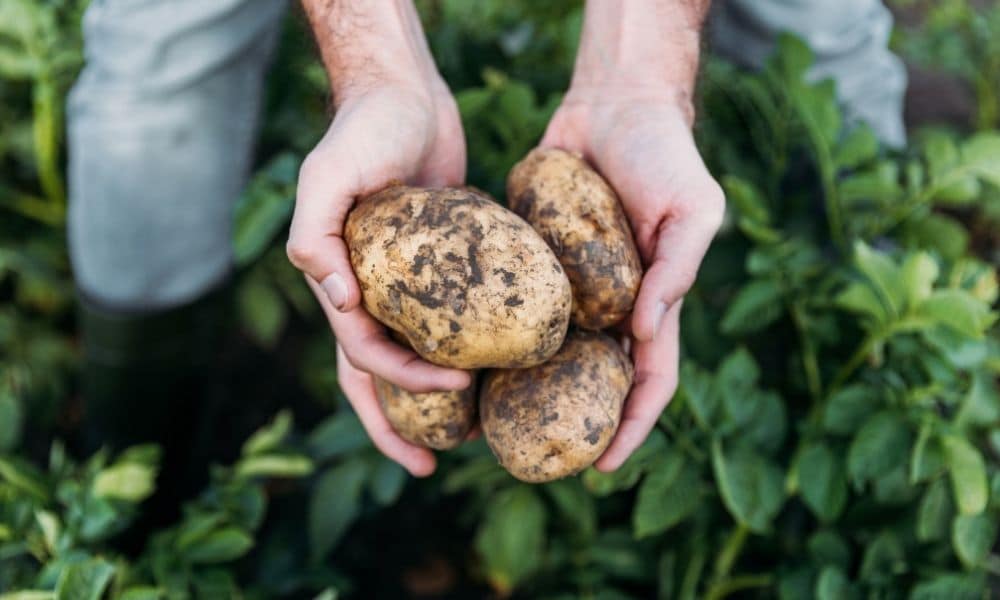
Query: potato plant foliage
[837,429]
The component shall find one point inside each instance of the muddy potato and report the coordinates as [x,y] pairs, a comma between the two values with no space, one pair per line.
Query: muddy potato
[438,420]
[468,283]
[580,217]
[556,419]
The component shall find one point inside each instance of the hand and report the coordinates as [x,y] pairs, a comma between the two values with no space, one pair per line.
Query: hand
[382,133]
[640,141]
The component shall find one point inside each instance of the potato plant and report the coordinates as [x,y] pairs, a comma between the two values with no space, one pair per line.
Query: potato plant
[835,434]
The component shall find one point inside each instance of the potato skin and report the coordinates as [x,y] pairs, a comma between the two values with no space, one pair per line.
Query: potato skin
[556,419]
[467,282]
[580,217]
[438,420]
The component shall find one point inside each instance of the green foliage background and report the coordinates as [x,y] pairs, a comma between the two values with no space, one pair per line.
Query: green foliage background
[836,431]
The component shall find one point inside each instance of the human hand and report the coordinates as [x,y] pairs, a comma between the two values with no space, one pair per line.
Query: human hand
[395,120]
[640,140]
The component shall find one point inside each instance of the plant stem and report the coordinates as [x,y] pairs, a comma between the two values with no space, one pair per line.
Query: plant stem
[683,440]
[809,361]
[854,362]
[47,130]
[721,589]
[731,551]
[689,586]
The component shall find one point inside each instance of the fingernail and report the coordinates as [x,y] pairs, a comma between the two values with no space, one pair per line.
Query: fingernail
[336,290]
[661,309]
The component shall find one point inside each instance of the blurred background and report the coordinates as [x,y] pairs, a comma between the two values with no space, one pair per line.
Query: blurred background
[837,431]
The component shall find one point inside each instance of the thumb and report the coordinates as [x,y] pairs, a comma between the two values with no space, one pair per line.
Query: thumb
[681,245]
[315,243]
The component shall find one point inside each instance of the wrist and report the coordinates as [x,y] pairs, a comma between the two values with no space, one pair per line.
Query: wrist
[371,45]
[643,49]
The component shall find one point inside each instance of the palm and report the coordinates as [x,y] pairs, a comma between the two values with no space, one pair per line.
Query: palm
[646,152]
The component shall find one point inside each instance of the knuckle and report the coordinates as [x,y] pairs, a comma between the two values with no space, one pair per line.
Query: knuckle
[299,253]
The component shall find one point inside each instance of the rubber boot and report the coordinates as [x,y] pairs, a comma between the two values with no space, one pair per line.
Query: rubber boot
[156,378]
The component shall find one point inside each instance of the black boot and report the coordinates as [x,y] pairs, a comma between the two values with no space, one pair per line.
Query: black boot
[156,378]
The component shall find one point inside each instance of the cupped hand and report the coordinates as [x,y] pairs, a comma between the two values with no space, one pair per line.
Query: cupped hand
[381,134]
[641,142]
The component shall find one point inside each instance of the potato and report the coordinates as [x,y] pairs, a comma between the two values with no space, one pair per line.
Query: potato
[438,420]
[579,215]
[556,419]
[468,283]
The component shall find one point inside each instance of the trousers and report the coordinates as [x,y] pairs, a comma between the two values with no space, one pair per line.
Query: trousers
[162,121]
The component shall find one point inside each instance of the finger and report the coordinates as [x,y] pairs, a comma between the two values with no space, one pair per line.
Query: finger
[680,246]
[655,382]
[475,433]
[315,243]
[369,349]
[359,388]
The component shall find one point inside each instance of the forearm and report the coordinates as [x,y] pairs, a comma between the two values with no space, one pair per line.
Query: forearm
[365,44]
[641,47]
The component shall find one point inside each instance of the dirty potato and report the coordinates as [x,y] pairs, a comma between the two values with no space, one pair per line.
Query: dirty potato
[580,217]
[556,419]
[468,283]
[438,420]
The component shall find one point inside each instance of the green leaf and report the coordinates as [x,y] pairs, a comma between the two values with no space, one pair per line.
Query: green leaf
[752,487]
[828,548]
[576,506]
[23,476]
[766,426]
[951,586]
[223,545]
[141,593]
[972,537]
[48,522]
[270,436]
[698,394]
[337,435]
[958,310]
[861,298]
[335,504]
[934,514]
[746,198]
[858,147]
[262,311]
[961,191]
[274,465]
[511,539]
[822,482]
[755,306]
[981,155]
[928,460]
[881,445]
[968,475]
[603,484]
[884,275]
[832,584]
[937,232]
[132,482]
[849,407]
[669,493]
[11,420]
[879,183]
[264,208]
[919,272]
[884,558]
[28,595]
[85,580]
[941,155]
[738,373]
[981,405]
[387,482]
